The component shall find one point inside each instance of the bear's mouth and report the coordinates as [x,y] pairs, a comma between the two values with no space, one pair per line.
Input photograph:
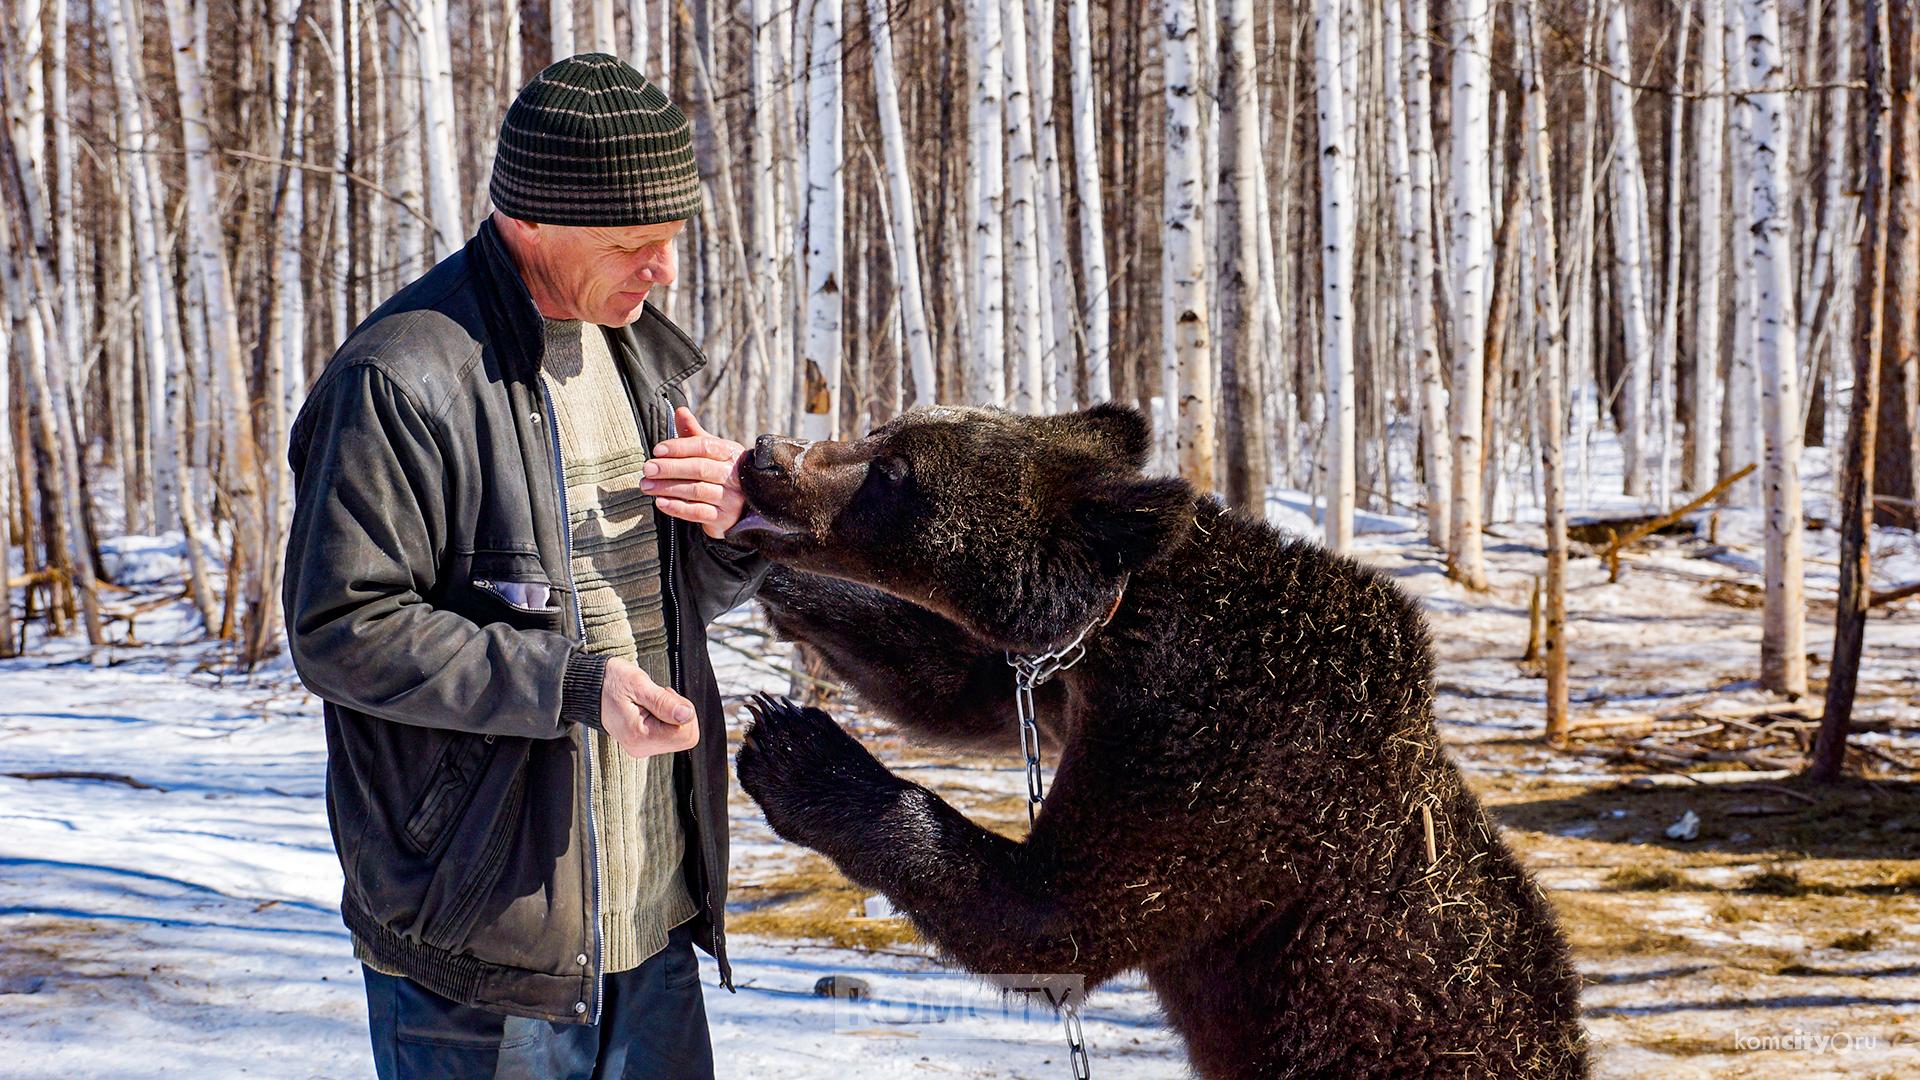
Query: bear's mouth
[754,525]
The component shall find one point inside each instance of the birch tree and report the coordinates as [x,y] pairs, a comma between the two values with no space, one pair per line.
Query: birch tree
[1023,239]
[1086,175]
[826,224]
[1185,331]
[1711,222]
[905,237]
[1783,659]
[1417,259]
[1472,222]
[1630,256]
[1331,38]
[1242,359]
[986,377]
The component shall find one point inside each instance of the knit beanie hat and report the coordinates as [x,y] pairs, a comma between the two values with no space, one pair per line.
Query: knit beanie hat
[591,142]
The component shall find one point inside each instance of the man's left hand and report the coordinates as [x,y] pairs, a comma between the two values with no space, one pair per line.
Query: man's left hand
[696,476]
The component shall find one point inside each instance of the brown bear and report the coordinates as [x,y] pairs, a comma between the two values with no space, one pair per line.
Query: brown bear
[1250,803]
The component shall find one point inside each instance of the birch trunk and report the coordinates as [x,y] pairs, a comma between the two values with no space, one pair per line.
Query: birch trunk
[1741,427]
[986,376]
[604,38]
[1547,343]
[1783,657]
[1630,257]
[1669,341]
[762,387]
[639,38]
[1709,138]
[1242,359]
[906,244]
[1185,332]
[437,145]
[1332,38]
[826,225]
[560,16]
[341,40]
[1057,296]
[1472,214]
[1429,389]
[1097,314]
[1023,240]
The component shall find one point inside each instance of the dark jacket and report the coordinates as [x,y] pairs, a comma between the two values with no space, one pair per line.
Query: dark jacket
[459,725]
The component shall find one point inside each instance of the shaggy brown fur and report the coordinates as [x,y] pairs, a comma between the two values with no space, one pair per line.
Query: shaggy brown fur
[1243,756]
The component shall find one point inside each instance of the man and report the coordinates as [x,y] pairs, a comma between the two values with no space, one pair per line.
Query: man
[526,753]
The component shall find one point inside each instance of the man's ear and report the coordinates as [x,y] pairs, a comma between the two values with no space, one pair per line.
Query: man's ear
[1108,430]
[1122,521]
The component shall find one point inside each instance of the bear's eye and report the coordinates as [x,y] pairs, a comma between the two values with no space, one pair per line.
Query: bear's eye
[893,469]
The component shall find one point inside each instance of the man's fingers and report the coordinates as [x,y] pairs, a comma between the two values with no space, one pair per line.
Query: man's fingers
[698,512]
[712,470]
[690,490]
[663,703]
[699,446]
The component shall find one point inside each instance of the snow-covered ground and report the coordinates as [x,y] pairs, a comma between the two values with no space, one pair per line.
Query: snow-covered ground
[175,914]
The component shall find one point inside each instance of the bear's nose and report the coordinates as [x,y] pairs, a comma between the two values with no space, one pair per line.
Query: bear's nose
[773,454]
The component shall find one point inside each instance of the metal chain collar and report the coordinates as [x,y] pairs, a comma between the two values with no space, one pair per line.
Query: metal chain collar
[1031,670]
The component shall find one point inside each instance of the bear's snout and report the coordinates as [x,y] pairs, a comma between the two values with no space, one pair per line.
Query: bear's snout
[774,454]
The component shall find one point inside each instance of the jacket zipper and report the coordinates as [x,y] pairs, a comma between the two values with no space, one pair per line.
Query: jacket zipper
[674,649]
[580,625]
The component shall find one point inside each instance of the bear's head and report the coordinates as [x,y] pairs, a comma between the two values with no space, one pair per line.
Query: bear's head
[1019,528]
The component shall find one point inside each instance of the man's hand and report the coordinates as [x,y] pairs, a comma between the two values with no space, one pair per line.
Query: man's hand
[696,476]
[644,717]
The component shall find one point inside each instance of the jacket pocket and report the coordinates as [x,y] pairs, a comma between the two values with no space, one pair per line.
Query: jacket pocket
[511,587]
[454,925]
[450,787]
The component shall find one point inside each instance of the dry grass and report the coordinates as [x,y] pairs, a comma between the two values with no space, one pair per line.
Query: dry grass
[812,902]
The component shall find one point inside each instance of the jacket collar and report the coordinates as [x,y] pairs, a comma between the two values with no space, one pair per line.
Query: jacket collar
[656,351]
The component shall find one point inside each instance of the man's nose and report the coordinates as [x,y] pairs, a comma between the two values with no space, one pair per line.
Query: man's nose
[773,454]
[659,267]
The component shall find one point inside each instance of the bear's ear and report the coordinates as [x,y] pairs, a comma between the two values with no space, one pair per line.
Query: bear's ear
[1123,521]
[1112,431]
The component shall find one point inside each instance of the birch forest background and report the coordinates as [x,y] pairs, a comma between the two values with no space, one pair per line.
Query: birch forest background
[1415,256]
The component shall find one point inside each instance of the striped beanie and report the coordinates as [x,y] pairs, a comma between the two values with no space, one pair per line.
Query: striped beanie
[591,142]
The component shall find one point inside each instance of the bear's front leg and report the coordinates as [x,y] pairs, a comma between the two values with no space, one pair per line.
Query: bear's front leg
[990,903]
[913,666]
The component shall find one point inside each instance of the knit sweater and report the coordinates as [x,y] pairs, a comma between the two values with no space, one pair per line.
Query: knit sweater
[616,572]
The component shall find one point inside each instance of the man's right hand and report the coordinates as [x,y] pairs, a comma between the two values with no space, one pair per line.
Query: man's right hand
[644,717]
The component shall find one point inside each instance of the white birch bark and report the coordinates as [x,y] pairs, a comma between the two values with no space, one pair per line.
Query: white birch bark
[1430,389]
[1057,296]
[639,38]
[1186,331]
[560,16]
[1783,657]
[73,330]
[1836,221]
[906,244]
[1741,430]
[1669,341]
[1709,194]
[986,377]
[1548,352]
[1332,38]
[820,414]
[762,385]
[437,145]
[604,38]
[1097,313]
[1630,258]
[1023,219]
[1472,222]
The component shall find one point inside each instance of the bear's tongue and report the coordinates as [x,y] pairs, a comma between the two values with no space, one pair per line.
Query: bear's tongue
[754,521]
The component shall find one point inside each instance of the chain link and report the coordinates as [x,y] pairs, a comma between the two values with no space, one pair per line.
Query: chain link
[1031,670]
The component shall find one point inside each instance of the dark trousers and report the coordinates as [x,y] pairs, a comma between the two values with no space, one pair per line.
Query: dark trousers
[653,1026]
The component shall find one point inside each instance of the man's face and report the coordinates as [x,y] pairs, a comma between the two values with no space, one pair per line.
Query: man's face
[598,275]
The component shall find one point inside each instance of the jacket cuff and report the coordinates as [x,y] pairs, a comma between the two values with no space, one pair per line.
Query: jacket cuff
[580,689]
